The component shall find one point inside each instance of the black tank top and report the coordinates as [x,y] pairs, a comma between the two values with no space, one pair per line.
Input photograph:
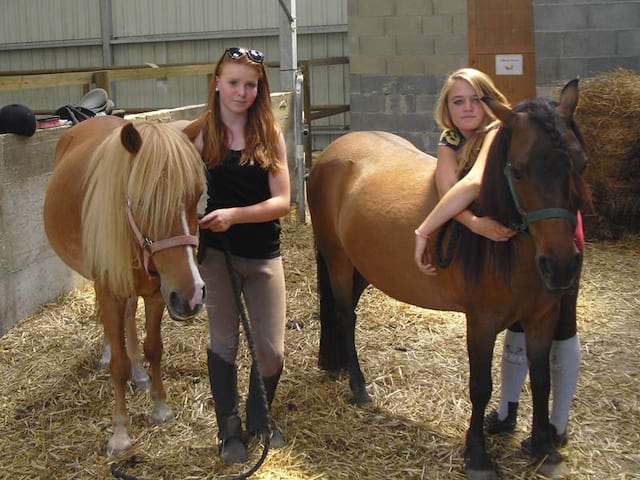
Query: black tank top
[230,184]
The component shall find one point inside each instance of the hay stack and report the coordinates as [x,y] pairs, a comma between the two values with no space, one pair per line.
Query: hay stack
[609,117]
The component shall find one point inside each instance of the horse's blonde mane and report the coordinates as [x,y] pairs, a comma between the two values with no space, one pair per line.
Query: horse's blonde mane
[163,178]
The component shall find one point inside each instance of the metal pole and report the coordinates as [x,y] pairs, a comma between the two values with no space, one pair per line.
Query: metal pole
[291,80]
[298,132]
[106,26]
[288,44]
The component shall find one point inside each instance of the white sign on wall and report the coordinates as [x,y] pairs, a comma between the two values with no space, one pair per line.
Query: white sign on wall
[509,64]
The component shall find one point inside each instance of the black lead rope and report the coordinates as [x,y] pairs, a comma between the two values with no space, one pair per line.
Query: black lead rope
[248,333]
[443,259]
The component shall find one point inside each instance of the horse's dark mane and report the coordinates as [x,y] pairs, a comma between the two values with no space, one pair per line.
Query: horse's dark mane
[495,198]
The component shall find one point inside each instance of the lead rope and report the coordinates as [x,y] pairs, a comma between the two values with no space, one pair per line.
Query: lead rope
[248,333]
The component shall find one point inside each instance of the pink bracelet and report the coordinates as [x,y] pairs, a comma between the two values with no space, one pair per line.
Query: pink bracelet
[423,235]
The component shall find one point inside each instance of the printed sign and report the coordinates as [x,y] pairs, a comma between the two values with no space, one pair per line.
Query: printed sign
[509,64]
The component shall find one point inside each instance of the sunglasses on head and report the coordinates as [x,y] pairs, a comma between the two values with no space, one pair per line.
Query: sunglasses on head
[235,53]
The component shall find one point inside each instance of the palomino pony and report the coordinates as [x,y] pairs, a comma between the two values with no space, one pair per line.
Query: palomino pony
[368,191]
[121,209]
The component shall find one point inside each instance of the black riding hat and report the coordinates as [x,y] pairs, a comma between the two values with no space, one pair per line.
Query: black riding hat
[18,119]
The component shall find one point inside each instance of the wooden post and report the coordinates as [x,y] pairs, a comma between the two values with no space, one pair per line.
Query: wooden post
[209,81]
[101,79]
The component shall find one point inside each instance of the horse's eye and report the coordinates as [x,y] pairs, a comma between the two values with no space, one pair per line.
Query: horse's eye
[517,174]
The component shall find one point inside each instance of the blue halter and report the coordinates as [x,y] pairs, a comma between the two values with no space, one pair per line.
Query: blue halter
[542,214]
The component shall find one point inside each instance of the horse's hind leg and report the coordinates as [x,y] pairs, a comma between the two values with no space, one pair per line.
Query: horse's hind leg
[153,310]
[139,375]
[480,341]
[112,315]
[105,357]
[359,285]
[339,338]
[332,357]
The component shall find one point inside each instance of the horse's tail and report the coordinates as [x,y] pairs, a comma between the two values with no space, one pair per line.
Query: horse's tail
[332,356]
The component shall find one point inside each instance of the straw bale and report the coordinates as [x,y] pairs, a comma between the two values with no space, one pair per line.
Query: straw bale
[609,117]
[55,408]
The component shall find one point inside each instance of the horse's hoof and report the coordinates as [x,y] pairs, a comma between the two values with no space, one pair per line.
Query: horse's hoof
[140,379]
[481,475]
[333,373]
[162,414]
[118,443]
[141,384]
[103,364]
[555,471]
[361,400]
[483,468]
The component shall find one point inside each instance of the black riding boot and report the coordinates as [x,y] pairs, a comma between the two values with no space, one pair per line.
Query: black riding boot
[256,415]
[493,425]
[224,389]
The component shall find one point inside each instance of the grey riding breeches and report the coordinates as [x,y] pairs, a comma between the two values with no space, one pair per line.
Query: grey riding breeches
[263,287]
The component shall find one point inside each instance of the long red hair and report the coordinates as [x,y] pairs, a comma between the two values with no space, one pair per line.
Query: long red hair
[262,133]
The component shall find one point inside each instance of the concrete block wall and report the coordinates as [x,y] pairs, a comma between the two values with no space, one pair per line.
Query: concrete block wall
[31,274]
[584,37]
[401,52]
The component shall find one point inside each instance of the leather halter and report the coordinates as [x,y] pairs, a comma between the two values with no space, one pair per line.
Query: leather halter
[150,247]
[541,214]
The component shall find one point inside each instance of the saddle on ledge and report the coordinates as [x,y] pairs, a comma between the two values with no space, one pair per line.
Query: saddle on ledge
[95,102]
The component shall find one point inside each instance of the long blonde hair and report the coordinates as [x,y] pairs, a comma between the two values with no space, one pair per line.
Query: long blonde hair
[160,181]
[484,87]
[262,133]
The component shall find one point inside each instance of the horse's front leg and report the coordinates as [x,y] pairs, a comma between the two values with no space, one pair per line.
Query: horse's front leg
[112,315]
[153,310]
[481,337]
[539,335]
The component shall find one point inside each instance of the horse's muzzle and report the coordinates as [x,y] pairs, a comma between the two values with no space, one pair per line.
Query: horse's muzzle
[558,276]
[180,308]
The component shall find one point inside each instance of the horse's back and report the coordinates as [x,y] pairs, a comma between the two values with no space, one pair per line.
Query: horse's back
[65,193]
[367,193]
[84,135]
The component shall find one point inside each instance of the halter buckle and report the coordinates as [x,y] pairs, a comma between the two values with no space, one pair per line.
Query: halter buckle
[146,244]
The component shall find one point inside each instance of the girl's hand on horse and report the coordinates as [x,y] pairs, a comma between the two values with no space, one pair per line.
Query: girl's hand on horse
[422,256]
[218,220]
[491,229]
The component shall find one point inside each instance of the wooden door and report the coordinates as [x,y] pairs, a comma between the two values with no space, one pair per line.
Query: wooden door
[501,32]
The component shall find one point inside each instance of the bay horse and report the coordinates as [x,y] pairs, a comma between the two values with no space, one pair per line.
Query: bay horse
[121,210]
[368,191]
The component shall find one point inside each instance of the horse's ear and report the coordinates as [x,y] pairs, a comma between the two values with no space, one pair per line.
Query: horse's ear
[499,109]
[569,99]
[194,128]
[131,139]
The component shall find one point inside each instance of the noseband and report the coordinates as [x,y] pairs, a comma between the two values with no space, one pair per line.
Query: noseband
[149,247]
[542,214]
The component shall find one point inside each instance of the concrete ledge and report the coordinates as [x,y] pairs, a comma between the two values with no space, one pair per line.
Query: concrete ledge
[30,272]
